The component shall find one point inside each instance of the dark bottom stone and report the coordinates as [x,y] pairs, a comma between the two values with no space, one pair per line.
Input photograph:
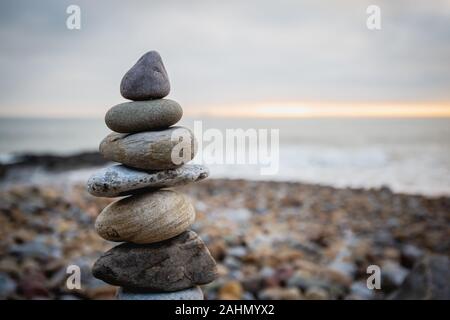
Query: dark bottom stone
[171,265]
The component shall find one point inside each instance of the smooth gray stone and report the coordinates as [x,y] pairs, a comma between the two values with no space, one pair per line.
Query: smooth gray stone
[151,150]
[194,293]
[171,265]
[149,217]
[146,80]
[428,280]
[120,180]
[138,116]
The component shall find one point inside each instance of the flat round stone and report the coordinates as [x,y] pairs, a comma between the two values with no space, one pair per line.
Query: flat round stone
[151,150]
[194,293]
[146,80]
[146,218]
[138,116]
[119,180]
[175,264]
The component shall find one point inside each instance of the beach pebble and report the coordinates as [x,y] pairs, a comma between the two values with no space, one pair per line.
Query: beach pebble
[231,290]
[276,293]
[151,150]
[120,180]
[428,280]
[392,275]
[146,218]
[238,251]
[316,293]
[359,290]
[41,248]
[410,254]
[32,284]
[138,116]
[175,264]
[146,80]
[305,280]
[7,285]
[194,293]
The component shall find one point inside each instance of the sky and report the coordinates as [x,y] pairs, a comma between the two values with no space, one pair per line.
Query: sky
[229,58]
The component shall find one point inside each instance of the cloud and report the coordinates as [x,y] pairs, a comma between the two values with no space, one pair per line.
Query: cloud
[222,52]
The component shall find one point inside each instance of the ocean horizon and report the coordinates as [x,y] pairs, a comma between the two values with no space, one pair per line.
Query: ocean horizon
[410,155]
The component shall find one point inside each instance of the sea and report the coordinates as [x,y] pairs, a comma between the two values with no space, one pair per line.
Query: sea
[407,155]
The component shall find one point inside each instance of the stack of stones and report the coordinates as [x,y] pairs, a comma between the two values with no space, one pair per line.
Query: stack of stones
[160,258]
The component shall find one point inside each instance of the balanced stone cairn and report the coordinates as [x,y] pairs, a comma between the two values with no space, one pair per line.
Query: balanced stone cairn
[160,258]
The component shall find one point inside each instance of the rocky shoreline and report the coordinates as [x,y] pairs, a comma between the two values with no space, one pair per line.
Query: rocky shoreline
[51,162]
[271,240]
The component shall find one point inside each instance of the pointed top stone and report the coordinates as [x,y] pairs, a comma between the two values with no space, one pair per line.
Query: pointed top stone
[146,80]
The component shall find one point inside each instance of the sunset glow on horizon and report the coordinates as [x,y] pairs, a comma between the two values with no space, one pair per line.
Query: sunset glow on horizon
[328,109]
[274,110]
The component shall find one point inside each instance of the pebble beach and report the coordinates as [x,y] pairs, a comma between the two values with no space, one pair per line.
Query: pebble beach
[271,240]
